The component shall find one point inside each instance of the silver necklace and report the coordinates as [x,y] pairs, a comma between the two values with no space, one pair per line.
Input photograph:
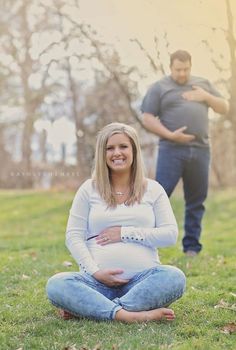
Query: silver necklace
[118,193]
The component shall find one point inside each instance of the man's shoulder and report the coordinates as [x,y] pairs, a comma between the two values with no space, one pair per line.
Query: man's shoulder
[196,80]
[161,83]
[205,84]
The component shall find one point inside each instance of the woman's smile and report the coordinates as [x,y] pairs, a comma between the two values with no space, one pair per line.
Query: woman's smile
[118,161]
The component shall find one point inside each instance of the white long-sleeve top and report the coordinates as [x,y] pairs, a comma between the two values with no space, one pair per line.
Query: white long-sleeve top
[145,226]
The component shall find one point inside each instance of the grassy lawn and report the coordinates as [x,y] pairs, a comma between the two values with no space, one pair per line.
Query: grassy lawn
[32,249]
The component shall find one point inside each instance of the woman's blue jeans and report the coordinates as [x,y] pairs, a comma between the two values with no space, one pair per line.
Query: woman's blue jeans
[82,295]
[192,165]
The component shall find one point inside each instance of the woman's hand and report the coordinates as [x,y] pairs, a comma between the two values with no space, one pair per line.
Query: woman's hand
[109,277]
[109,235]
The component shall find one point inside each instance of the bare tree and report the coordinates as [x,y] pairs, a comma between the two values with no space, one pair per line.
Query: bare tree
[230,37]
[16,42]
[223,130]
[112,74]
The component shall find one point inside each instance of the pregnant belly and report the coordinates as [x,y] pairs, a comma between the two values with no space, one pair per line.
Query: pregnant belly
[130,257]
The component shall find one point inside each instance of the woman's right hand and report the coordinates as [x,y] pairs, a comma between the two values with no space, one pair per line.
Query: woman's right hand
[109,277]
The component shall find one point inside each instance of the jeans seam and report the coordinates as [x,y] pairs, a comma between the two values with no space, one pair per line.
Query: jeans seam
[140,276]
[172,299]
[92,284]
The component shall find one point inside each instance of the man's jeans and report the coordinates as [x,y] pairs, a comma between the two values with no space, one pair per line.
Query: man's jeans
[192,165]
[82,295]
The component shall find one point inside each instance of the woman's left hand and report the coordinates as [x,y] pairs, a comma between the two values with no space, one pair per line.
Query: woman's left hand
[109,235]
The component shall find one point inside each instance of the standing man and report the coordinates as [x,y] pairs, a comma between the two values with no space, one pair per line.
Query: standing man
[176,109]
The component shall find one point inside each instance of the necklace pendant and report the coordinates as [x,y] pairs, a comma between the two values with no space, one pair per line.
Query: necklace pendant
[118,193]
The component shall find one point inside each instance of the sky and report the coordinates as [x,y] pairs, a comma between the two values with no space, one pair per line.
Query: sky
[186,22]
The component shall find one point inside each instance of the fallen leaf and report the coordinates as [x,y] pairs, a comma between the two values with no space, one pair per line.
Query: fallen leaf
[67,263]
[229,328]
[224,305]
[70,347]
[221,260]
[188,265]
[233,294]
[97,347]
[25,277]
[34,256]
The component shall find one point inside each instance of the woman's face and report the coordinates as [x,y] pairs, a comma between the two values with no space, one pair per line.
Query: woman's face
[119,153]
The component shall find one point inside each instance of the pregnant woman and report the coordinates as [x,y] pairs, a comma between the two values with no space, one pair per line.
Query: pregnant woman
[117,221]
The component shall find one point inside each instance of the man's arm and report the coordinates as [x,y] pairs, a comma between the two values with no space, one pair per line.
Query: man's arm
[154,125]
[218,104]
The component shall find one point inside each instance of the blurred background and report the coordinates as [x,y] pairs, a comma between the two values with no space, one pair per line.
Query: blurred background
[69,67]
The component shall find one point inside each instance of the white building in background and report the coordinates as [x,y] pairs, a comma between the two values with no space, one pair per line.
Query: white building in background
[60,140]
[12,118]
[60,137]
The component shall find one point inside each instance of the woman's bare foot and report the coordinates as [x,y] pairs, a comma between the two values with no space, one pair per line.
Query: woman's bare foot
[145,316]
[162,314]
[65,314]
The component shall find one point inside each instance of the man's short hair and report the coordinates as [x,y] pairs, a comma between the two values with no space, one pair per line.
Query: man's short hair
[180,55]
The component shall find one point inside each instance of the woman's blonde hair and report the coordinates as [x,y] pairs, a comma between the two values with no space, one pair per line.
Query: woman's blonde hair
[101,173]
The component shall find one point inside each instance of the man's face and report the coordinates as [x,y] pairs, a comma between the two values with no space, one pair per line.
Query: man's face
[180,71]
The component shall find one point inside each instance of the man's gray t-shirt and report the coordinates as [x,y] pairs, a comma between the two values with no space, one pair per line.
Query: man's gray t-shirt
[164,99]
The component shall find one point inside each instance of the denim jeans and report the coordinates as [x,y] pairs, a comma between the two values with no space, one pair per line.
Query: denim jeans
[82,295]
[192,165]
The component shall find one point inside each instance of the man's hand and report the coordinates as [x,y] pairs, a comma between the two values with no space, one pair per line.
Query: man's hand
[154,125]
[218,104]
[197,94]
[180,137]
[109,277]
[109,235]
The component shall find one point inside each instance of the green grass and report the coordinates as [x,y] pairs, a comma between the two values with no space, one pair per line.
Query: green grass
[32,249]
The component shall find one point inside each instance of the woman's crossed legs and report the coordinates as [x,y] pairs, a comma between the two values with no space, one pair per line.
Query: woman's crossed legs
[143,298]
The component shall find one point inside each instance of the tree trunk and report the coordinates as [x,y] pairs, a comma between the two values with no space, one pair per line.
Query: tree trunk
[232,48]
[82,151]
[26,69]
[43,146]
